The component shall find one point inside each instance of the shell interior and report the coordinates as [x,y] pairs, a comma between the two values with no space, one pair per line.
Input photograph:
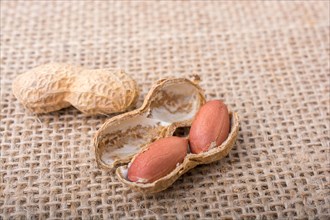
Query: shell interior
[170,104]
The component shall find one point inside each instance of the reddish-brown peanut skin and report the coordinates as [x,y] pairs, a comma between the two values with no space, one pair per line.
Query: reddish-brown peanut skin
[160,158]
[210,124]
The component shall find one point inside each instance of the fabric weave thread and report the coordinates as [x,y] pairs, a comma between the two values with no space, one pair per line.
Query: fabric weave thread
[269,61]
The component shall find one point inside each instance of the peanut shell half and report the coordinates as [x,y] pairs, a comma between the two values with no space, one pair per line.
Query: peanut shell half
[170,105]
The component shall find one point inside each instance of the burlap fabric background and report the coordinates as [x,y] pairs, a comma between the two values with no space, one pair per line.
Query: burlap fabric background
[269,61]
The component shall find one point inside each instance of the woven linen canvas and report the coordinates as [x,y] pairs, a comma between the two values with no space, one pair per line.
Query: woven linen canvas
[267,60]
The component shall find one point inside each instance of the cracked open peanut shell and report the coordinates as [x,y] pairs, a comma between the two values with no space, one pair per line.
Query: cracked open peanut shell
[168,110]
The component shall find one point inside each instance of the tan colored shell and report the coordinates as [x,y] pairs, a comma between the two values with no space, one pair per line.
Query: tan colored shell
[107,139]
[54,86]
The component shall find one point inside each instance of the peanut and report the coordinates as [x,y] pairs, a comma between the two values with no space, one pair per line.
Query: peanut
[160,158]
[54,86]
[210,126]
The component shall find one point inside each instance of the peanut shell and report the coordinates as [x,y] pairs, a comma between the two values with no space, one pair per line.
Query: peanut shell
[170,105]
[54,86]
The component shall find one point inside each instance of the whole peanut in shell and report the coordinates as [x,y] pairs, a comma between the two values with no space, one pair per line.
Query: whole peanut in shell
[210,127]
[54,86]
[160,158]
